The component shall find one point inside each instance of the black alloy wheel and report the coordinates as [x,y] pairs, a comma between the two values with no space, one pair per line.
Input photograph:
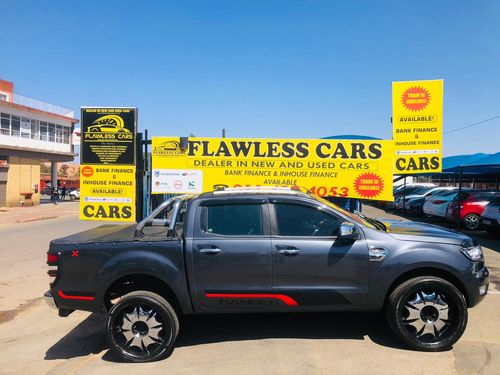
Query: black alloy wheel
[141,327]
[427,313]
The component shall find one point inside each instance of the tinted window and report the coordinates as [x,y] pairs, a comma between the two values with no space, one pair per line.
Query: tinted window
[294,220]
[481,196]
[234,219]
[412,190]
[463,195]
[421,190]
[447,193]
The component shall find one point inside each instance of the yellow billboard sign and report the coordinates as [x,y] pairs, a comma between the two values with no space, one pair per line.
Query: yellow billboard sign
[417,116]
[107,193]
[343,168]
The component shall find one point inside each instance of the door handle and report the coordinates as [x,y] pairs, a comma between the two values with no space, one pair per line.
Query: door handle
[287,250]
[210,251]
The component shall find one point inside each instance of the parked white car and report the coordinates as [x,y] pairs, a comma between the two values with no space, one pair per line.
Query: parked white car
[436,205]
[431,191]
[74,194]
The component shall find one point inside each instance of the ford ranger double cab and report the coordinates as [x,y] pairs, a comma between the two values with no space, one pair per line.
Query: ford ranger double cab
[264,250]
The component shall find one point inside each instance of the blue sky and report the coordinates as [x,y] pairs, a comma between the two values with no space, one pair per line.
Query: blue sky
[261,68]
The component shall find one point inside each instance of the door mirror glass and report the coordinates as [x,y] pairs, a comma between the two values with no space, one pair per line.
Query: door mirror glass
[347,231]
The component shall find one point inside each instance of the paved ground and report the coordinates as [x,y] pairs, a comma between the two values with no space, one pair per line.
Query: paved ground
[35,341]
[45,211]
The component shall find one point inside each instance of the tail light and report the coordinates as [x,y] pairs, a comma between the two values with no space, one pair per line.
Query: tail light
[52,261]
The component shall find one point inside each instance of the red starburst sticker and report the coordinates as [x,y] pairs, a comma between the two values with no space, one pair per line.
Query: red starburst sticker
[415,98]
[87,171]
[368,185]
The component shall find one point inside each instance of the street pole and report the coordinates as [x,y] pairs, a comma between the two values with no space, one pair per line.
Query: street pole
[139,175]
[459,197]
[404,193]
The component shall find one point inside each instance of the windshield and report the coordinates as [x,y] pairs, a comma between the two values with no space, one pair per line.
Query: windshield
[360,219]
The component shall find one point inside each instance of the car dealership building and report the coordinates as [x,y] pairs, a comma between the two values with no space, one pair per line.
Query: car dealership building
[31,131]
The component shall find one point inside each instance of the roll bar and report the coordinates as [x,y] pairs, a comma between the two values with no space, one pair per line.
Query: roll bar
[175,201]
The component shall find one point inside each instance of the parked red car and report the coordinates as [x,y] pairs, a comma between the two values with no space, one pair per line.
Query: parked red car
[472,205]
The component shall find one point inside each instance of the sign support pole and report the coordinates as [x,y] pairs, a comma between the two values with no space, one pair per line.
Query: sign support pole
[139,173]
[459,197]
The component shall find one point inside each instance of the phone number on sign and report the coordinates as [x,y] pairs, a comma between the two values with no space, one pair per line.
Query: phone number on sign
[332,191]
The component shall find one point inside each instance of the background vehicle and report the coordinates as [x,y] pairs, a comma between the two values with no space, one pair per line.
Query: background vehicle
[401,190]
[413,203]
[472,204]
[437,205]
[490,219]
[264,250]
[410,188]
[74,194]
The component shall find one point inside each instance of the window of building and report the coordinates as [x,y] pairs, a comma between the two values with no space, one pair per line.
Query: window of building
[15,126]
[44,131]
[66,135]
[25,127]
[5,124]
[233,220]
[52,132]
[29,128]
[295,220]
[35,129]
[4,97]
[59,134]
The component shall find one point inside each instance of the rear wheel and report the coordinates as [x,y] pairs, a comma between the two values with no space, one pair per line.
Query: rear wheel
[471,221]
[142,327]
[427,313]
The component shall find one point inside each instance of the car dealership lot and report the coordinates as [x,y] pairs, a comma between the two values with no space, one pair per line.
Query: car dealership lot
[35,341]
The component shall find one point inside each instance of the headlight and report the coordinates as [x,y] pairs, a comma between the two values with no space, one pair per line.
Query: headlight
[472,251]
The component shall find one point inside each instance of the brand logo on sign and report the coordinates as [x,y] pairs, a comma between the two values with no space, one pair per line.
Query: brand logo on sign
[109,127]
[168,148]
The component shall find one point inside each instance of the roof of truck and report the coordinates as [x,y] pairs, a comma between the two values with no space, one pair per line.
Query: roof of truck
[259,190]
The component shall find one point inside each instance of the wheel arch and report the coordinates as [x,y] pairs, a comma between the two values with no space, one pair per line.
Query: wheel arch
[141,281]
[428,271]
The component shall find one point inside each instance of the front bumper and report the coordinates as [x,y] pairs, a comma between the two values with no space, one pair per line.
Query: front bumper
[479,289]
[49,300]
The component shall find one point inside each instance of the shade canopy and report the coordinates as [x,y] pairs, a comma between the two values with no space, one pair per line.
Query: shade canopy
[475,164]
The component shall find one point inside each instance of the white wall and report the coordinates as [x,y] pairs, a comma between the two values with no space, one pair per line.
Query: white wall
[7,140]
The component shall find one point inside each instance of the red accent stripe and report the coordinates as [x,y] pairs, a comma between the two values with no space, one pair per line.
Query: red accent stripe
[289,301]
[84,298]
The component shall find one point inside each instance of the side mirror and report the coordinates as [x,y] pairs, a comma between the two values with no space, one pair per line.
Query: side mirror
[347,232]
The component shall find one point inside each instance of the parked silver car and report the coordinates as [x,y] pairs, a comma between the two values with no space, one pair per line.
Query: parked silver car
[490,220]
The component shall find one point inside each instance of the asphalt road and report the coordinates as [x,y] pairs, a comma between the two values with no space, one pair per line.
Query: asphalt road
[34,340]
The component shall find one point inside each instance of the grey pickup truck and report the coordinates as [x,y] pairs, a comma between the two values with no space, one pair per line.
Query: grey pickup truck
[264,250]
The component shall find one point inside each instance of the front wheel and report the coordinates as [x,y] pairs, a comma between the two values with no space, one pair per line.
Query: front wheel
[141,327]
[427,313]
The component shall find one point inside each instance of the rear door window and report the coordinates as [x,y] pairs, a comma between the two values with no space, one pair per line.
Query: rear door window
[233,219]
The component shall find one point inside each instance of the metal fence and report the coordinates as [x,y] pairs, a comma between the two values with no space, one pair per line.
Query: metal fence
[43,106]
